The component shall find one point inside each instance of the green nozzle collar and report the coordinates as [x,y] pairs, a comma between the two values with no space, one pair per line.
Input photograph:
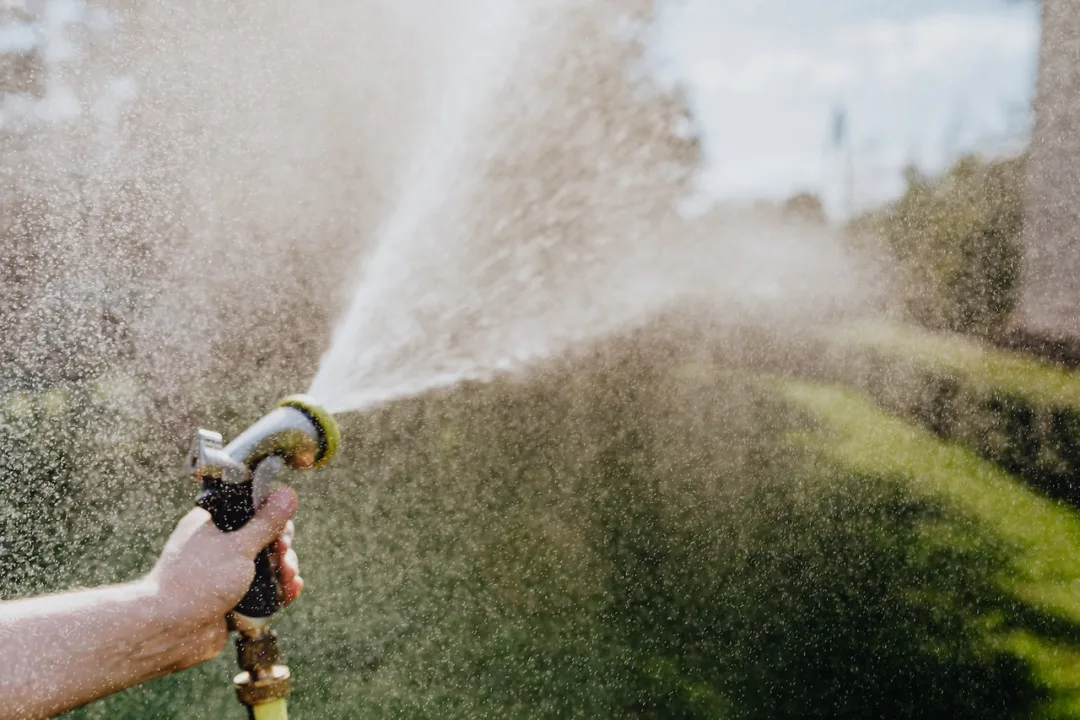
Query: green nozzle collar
[331,434]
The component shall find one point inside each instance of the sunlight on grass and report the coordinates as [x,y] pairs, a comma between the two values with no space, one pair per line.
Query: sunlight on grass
[988,369]
[868,440]
[1044,536]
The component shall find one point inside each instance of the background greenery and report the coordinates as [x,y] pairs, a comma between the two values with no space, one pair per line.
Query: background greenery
[633,533]
[655,527]
[956,242]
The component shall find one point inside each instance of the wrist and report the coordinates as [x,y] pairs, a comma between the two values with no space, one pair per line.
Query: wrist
[176,635]
[169,606]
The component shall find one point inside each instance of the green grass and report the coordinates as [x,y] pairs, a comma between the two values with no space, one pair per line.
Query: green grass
[988,369]
[1043,536]
[615,537]
[1021,413]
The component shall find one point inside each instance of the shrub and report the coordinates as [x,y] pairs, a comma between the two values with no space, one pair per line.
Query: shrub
[1014,410]
[955,241]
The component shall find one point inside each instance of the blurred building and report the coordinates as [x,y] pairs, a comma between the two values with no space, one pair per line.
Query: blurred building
[1050,293]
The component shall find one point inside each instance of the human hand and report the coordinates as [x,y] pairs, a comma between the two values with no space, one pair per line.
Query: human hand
[203,572]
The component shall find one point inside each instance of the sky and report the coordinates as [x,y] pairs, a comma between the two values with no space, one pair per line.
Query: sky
[918,80]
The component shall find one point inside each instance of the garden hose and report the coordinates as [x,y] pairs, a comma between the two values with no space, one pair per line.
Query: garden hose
[270,711]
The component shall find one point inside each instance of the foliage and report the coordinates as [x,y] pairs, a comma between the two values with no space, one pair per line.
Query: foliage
[1012,409]
[77,470]
[956,241]
[806,207]
[67,296]
[37,488]
[622,535]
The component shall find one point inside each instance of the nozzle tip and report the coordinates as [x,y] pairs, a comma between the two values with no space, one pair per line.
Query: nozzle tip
[329,431]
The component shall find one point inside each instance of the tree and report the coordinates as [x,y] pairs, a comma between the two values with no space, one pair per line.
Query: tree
[806,207]
[955,241]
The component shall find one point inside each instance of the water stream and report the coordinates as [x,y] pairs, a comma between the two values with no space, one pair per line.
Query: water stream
[545,208]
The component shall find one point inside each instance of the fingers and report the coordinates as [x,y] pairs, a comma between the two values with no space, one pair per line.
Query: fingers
[287,566]
[280,551]
[284,561]
[288,532]
[292,590]
[268,524]
[290,567]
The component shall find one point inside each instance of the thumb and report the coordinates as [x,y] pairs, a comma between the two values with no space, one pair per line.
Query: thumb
[268,523]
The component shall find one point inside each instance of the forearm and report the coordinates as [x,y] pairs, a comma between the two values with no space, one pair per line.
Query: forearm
[65,650]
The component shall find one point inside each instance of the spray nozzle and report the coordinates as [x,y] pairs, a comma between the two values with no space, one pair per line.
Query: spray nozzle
[298,431]
[329,436]
[236,477]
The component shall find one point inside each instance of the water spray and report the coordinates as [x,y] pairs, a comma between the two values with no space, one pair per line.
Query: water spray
[298,434]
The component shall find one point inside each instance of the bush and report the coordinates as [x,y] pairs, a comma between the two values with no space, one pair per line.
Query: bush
[77,472]
[806,207]
[955,240]
[1011,409]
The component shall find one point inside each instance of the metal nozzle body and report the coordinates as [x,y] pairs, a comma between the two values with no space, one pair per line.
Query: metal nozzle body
[286,432]
[298,431]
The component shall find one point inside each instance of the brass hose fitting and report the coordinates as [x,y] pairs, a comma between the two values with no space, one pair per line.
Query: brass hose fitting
[263,679]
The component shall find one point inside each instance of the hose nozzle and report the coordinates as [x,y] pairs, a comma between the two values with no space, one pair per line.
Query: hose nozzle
[236,478]
[298,432]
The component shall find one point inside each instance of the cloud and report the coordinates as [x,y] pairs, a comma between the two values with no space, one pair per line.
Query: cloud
[771,73]
[764,88]
[17,37]
[946,45]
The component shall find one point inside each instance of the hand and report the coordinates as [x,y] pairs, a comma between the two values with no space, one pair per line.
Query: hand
[62,651]
[203,572]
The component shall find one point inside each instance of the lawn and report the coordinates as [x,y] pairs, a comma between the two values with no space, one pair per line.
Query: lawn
[1015,410]
[1038,383]
[1041,537]
[617,536]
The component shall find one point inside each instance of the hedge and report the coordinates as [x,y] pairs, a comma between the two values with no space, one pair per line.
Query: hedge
[1017,411]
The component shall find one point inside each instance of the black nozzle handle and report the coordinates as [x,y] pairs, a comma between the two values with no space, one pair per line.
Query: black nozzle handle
[232,505]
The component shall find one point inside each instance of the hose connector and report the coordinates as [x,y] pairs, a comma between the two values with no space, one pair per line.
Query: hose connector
[264,680]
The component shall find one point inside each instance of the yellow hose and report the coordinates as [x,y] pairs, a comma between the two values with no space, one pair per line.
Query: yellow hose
[275,710]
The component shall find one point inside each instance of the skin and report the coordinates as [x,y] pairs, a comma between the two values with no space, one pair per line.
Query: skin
[62,651]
